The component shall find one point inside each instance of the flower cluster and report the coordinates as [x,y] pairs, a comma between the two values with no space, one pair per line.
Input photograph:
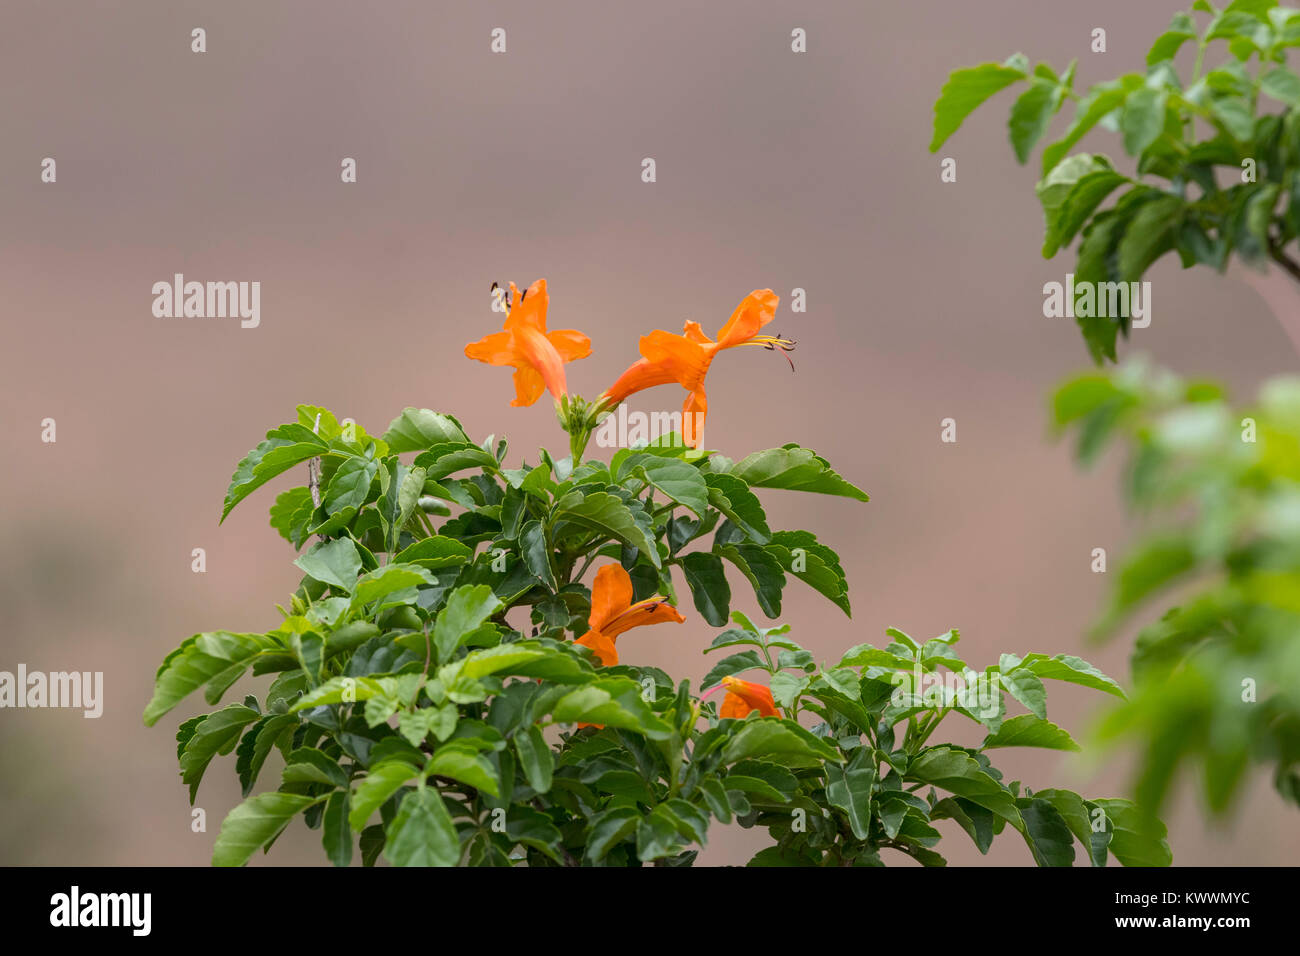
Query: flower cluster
[538,356]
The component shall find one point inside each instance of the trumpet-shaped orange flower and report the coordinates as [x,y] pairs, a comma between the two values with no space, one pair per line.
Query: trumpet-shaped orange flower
[743,697]
[613,612]
[537,356]
[685,358]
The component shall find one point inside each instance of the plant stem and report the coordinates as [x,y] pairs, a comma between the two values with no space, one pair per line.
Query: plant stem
[1289,265]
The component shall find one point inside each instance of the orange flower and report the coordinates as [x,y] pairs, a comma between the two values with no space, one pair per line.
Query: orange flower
[536,355]
[745,696]
[685,359]
[612,613]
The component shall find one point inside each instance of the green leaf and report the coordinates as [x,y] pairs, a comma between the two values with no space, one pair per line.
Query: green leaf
[608,515]
[732,665]
[1096,254]
[214,734]
[1282,85]
[435,553]
[732,497]
[715,795]
[536,553]
[763,572]
[535,758]
[786,688]
[1055,190]
[505,657]
[691,821]
[794,468]
[800,554]
[1078,817]
[1168,43]
[1031,115]
[350,485]
[677,480]
[977,821]
[534,829]
[386,581]
[460,761]
[609,828]
[1136,839]
[708,584]
[959,773]
[763,779]
[417,429]
[864,655]
[336,835]
[444,459]
[1143,118]
[309,765]
[399,497]
[216,656]
[613,702]
[1150,235]
[255,823]
[272,730]
[1049,839]
[371,844]
[291,515]
[657,835]
[466,609]
[439,721]
[848,788]
[1027,730]
[1025,687]
[1234,115]
[1101,100]
[967,89]
[780,741]
[336,563]
[1071,669]
[383,780]
[422,833]
[283,448]
[1078,205]
[339,690]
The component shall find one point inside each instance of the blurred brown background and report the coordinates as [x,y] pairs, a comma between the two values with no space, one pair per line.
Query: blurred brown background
[774,169]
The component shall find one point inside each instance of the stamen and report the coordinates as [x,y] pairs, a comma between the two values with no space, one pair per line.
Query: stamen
[774,342]
[504,298]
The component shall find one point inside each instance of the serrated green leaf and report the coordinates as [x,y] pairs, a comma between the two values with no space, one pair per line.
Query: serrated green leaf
[417,429]
[966,90]
[422,833]
[254,824]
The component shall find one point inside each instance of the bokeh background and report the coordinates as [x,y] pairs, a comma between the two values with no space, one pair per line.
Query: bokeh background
[774,169]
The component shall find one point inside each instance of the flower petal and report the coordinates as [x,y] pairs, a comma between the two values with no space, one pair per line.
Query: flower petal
[528,385]
[650,611]
[528,310]
[694,410]
[602,648]
[611,595]
[692,332]
[744,696]
[640,375]
[687,361]
[757,309]
[495,349]
[542,356]
[570,344]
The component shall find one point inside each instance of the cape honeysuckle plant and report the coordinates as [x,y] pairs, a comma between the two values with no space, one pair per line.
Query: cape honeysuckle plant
[879,709]
[449,688]
[1217,165]
[1217,677]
